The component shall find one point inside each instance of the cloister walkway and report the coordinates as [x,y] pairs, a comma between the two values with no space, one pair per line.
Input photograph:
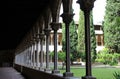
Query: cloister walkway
[9,73]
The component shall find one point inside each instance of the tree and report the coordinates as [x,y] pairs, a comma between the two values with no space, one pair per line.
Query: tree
[73,42]
[73,38]
[112,26]
[81,36]
[63,38]
[93,38]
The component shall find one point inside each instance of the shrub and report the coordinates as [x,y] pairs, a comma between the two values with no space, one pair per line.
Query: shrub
[107,58]
[116,75]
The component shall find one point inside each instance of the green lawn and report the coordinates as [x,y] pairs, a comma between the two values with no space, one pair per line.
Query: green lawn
[99,73]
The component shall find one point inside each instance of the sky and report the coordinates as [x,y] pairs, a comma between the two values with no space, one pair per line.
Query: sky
[98,11]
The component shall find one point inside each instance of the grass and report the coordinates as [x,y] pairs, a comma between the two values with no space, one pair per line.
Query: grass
[99,73]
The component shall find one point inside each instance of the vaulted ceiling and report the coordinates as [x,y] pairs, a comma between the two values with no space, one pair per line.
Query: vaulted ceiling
[22,14]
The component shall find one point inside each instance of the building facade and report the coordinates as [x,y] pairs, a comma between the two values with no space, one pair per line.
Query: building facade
[99,39]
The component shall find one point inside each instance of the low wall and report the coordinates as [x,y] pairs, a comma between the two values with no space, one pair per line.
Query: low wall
[18,67]
[30,73]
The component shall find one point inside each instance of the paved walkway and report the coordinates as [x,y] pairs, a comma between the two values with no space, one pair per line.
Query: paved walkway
[9,73]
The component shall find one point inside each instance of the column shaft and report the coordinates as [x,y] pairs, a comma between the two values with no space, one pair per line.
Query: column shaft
[47,33]
[67,38]
[41,53]
[87,43]
[47,51]
[33,55]
[55,26]
[37,49]
[55,50]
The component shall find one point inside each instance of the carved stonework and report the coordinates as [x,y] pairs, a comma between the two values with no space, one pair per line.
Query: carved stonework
[67,17]
[55,9]
[86,5]
[47,17]
[47,31]
[37,38]
[67,6]
[41,35]
[55,26]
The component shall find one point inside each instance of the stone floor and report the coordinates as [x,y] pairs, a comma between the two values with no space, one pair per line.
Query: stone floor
[9,73]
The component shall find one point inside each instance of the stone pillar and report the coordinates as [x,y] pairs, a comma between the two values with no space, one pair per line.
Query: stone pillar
[55,26]
[47,33]
[34,53]
[86,6]
[25,51]
[27,54]
[37,50]
[24,58]
[67,18]
[41,52]
[31,53]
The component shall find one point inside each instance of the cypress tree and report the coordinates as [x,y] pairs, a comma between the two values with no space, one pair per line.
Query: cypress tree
[112,26]
[93,38]
[81,36]
[63,38]
[73,41]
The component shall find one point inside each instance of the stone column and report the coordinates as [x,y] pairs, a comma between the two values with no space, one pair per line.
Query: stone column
[86,6]
[67,18]
[37,50]
[47,33]
[31,53]
[27,55]
[34,53]
[41,52]
[55,26]
[25,51]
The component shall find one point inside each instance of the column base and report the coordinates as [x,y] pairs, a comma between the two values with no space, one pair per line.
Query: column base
[67,74]
[88,77]
[55,71]
[41,69]
[47,70]
[37,68]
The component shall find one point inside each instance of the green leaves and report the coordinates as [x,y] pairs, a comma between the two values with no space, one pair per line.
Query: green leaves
[112,26]
[116,75]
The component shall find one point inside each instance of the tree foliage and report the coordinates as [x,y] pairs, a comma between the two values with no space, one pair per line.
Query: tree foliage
[73,40]
[63,38]
[81,36]
[112,26]
[93,38]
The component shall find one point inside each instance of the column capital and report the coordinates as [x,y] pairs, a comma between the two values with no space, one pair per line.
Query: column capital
[33,40]
[47,31]
[67,17]
[55,26]
[37,37]
[41,35]
[86,5]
